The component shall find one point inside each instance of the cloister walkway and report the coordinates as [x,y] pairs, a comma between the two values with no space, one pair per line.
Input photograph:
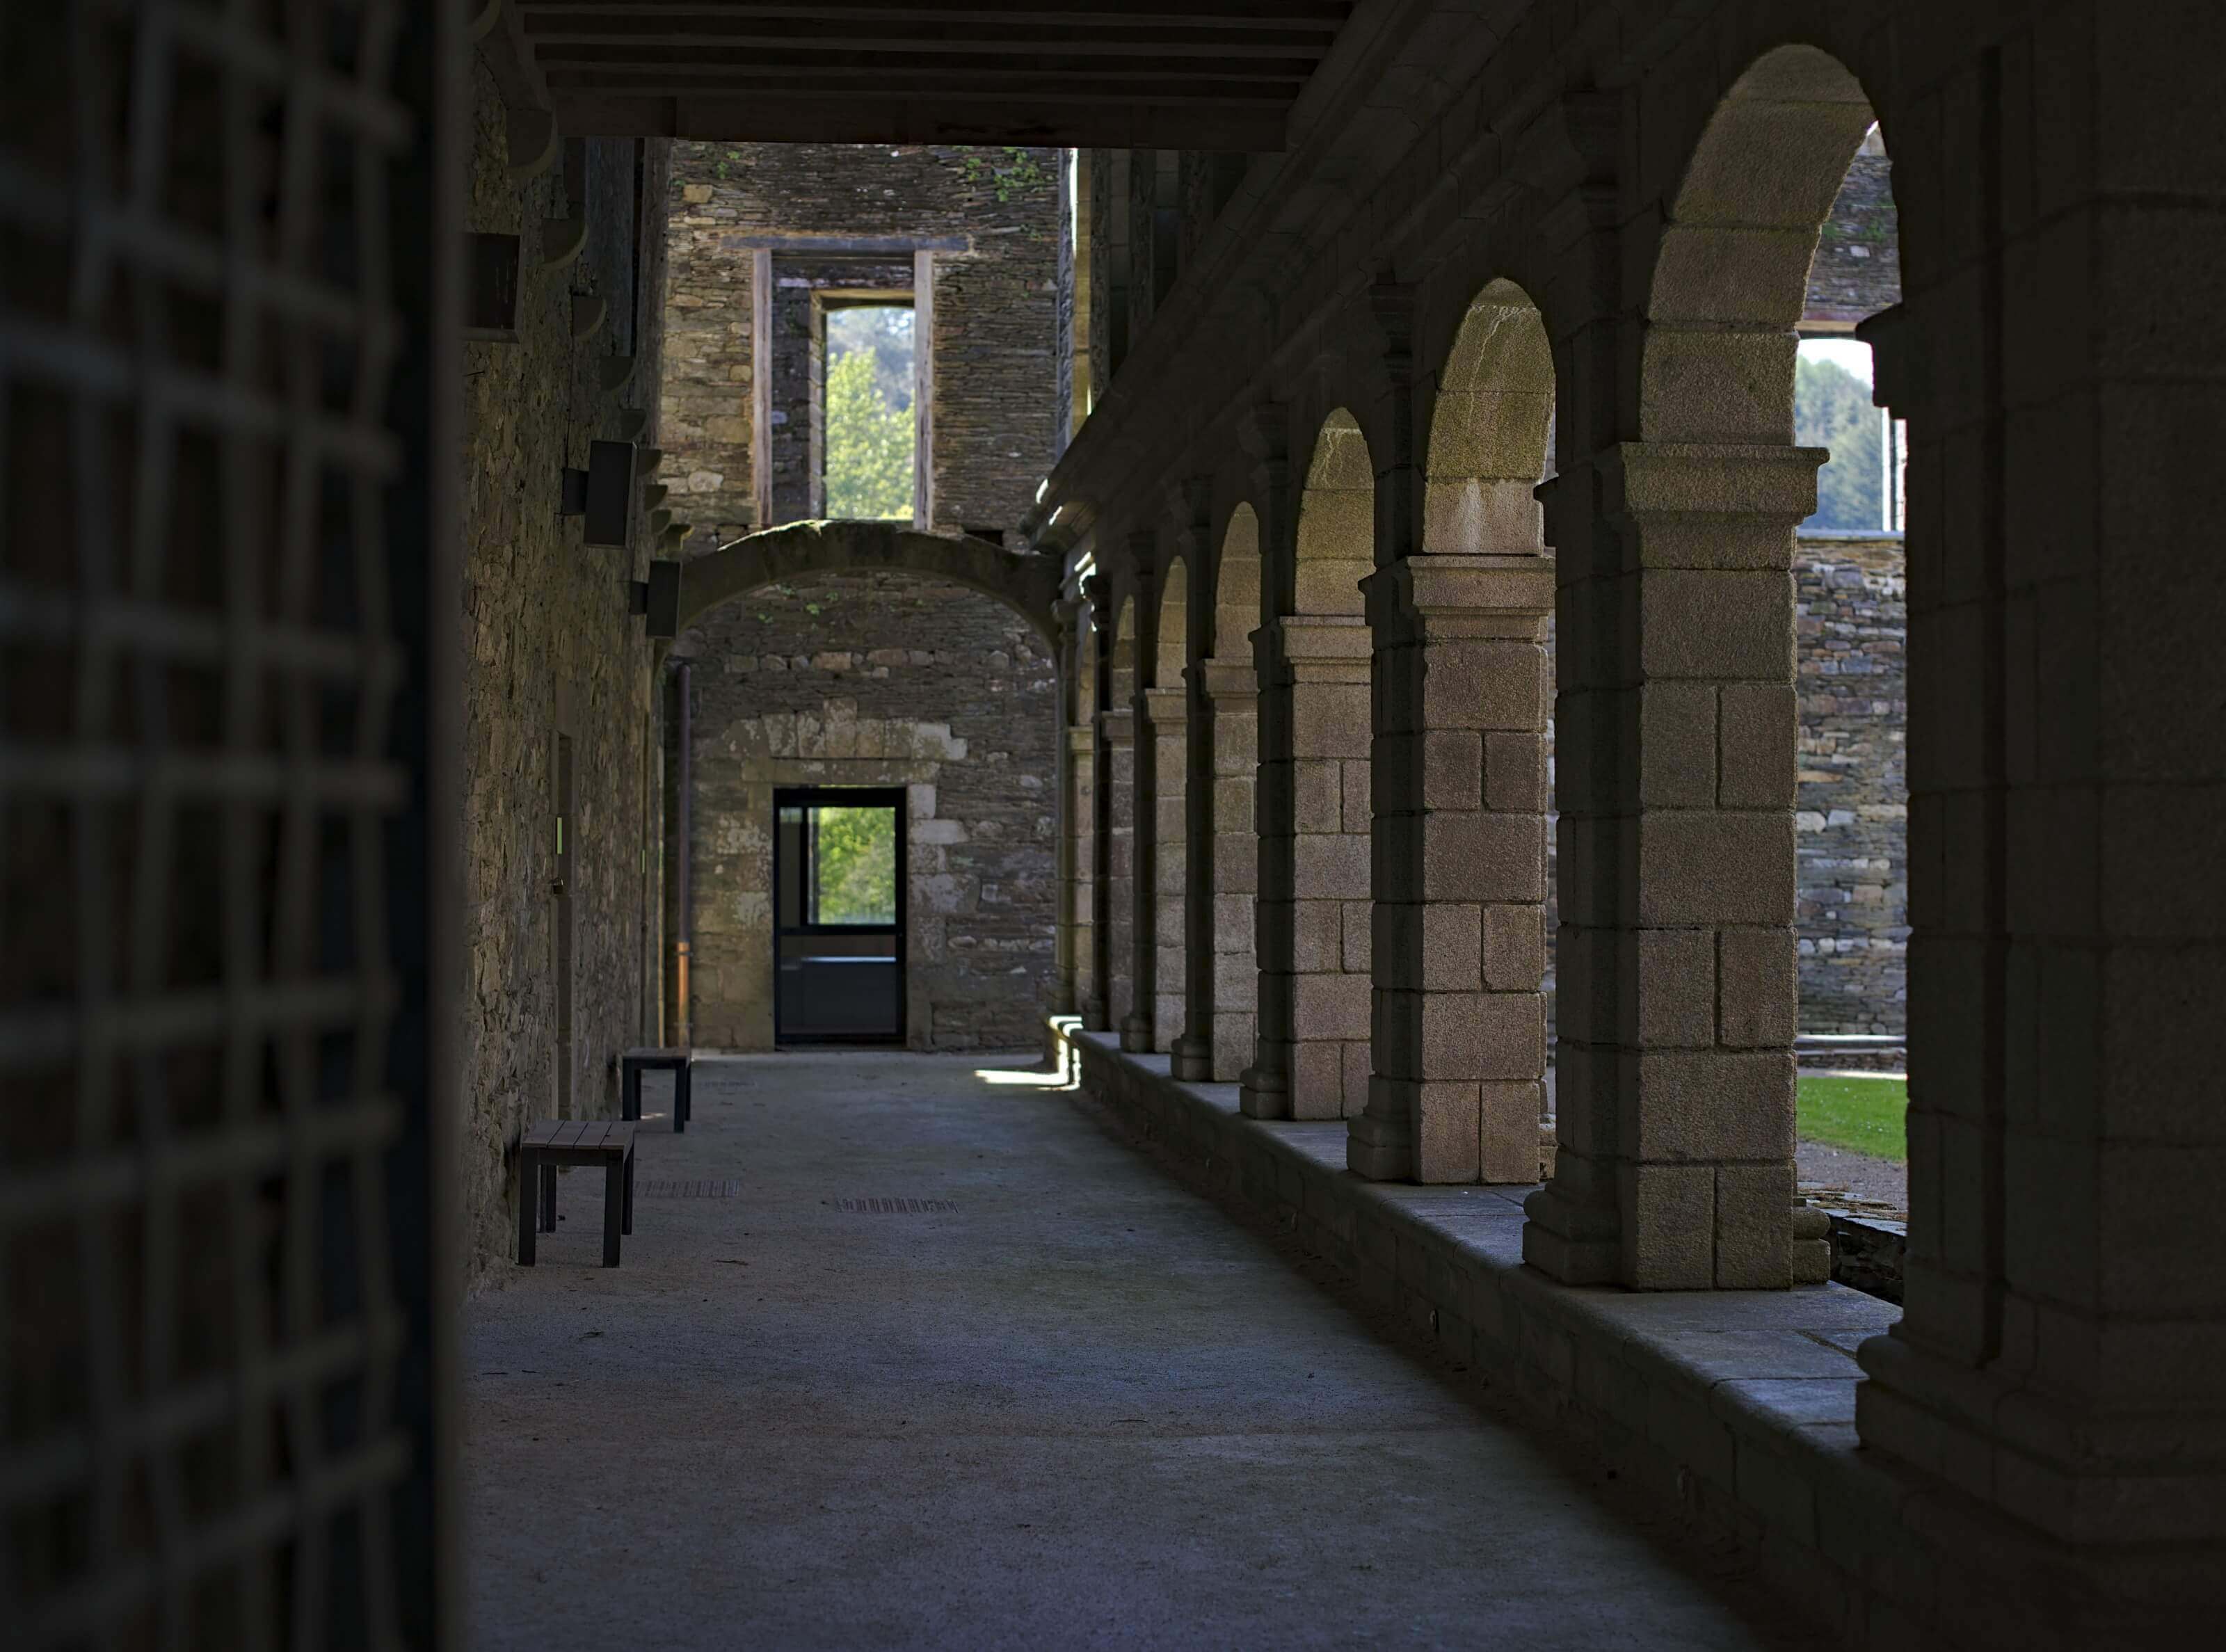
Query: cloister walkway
[904,1354]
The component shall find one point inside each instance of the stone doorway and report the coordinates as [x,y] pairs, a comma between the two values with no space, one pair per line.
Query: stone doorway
[839,877]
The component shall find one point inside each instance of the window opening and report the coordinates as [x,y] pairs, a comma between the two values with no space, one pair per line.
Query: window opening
[872,432]
[1860,489]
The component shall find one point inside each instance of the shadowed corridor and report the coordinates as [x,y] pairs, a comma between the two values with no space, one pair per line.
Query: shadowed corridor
[903,1355]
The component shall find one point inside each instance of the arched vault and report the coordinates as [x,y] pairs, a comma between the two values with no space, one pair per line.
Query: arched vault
[1025,582]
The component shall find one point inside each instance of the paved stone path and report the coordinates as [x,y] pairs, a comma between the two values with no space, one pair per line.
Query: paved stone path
[1075,1407]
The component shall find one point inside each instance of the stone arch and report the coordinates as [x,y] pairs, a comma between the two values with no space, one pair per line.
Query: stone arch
[1731,269]
[1315,744]
[1702,787]
[1117,781]
[1164,743]
[1491,428]
[1462,674]
[1236,587]
[1170,639]
[1227,994]
[1025,582]
[1336,547]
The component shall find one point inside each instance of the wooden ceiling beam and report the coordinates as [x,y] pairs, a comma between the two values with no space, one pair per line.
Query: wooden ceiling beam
[850,65]
[1326,15]
[1124,120]
[663,83]
[616,28]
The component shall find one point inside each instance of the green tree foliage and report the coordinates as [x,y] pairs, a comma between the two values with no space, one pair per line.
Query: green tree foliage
[856,853]
[870,418]
[1832,409]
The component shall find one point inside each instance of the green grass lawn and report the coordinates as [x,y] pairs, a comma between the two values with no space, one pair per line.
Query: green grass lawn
[1862,1115]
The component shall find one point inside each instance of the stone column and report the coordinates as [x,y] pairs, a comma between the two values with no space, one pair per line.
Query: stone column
[1223,994]
[2058,1364]
[1265,1086]
[1676,731]
[1168,730]
[1117,744]
[1098,1003]
[1328,662]
[1071,932]
[1140,787]
[1460,1016]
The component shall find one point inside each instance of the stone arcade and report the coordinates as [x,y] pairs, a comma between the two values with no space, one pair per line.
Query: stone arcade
[1367,695]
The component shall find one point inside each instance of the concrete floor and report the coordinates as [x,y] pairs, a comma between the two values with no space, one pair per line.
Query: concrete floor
[1082,1408]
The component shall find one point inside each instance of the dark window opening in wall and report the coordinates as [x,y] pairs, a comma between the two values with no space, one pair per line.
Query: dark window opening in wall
[867,467]
[839,928]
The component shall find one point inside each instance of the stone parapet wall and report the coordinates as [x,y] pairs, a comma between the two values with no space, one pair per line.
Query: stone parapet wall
[549,647]
[1731,1414]
[995,216]
[881,679]
[1852,816]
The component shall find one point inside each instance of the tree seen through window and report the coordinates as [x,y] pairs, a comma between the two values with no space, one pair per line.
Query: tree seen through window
[869,412]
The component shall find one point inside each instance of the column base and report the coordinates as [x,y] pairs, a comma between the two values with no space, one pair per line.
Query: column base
[1812,1244]
[1192,1059]
[1263,1095]
[1574,1243]
[1378,1149]
[1136,1035]
[1095,1017]
[2154,1478]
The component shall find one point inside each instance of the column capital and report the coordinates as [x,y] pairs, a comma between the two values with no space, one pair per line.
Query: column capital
[1164,707]
[1227,681]
[1310,648]
[1117,726]
[1462,596]
[1653,481]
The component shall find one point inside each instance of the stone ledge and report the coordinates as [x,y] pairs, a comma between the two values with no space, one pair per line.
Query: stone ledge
[1736,1407]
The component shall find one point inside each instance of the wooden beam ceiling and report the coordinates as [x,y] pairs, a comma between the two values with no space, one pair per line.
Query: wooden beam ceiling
[1211,75]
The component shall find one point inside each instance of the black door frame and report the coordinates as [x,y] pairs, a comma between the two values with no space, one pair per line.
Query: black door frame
[896,799]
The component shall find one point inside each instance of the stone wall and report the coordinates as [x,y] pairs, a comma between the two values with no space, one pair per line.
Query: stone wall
[1857,270]
[995,218]
[549,647]
[1853,814]
[884,680]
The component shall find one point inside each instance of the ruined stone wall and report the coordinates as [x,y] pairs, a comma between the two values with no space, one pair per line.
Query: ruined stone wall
[550,647]
[884,680]
[1853,814]
[997,332]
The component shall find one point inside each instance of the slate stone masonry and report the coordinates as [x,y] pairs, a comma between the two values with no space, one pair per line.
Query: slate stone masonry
[1851,811]
[998,344]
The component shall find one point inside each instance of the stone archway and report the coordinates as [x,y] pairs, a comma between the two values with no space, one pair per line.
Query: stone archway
[1026,582]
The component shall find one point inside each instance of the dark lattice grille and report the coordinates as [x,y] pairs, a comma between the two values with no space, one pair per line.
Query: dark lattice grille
[216,1383]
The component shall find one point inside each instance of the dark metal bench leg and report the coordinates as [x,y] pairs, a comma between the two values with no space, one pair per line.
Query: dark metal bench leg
[684,1096]
[629,1089]
[628,1226]
[547,1199]
[615,1179]
[529,1202]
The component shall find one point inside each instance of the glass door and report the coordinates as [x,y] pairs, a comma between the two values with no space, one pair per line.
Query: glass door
[839,915]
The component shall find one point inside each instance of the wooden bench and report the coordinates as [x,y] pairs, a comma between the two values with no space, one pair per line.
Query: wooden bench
[681,1064]
[557,1141]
